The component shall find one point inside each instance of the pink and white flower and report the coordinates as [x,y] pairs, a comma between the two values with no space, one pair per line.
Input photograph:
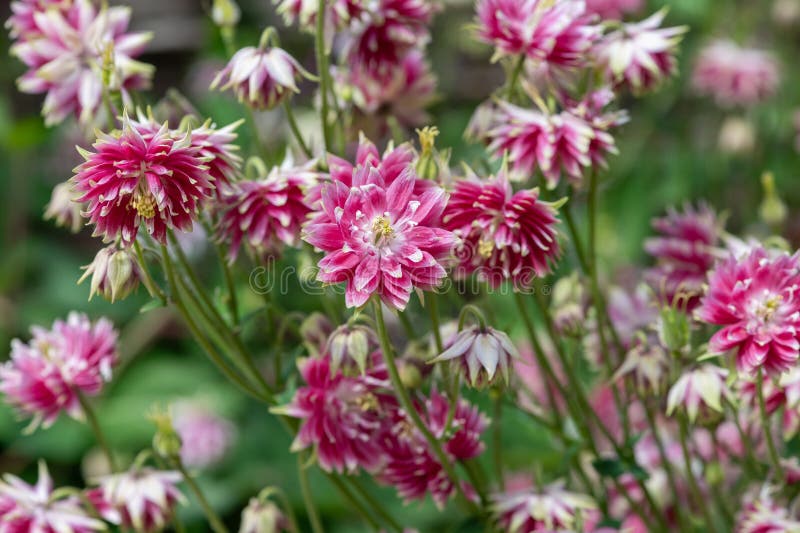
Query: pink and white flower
[205,436]
[138,177]
[218,151]
[613,9]
[32,508]
[700,390]
[63,208]
[504,235]
[524,509]
[754,299]
[479,351]
[66,52]
[764,515]
[22,22]
[43,377]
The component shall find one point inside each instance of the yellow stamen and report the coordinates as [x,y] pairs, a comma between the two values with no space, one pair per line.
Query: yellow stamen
[485,249]
[382,228]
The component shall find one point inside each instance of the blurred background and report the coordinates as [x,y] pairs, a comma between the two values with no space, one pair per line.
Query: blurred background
[677,147]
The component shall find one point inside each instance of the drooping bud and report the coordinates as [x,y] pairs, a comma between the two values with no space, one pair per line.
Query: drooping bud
[166,441]
[568,305]
[351,343]
[225,13]
[262,516]
[736,136]
[772,209]
[63,209]
[479,351]
[115,273]
[673,329]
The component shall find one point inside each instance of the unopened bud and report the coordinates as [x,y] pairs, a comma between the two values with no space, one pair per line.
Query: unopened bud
[348,344]
[262,516]
[772,209]
[314,331]
[737,136]
[115,273]
[410,375]
[673,329]
[63,208]
[225,13]
[166,441]
[426,165]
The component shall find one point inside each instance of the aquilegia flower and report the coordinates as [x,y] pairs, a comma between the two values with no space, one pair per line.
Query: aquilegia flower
[380,238]
[504,235]
[218,151]
[763,514]
[349,346]
[32,508]
[115,273]
[699,391]
[68,50]
[479,352]
[205,436]
[260,77]
[641,54]
[42,377]
[733,75]
[136,177]
[266,213]
[63,208]
[142,498]
[22,22]
[755,300]
[525,509]
[685,251]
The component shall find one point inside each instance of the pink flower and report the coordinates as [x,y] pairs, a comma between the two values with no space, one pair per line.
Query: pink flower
[304,13]
[266,213]
[142,498]
[115,273]
[551,143]
[65,53]
[32,508]
[764,515]
[479,352]
[136,177]
[43,376]
[205,436]
[411,467]
[260,77]
[380,237]
[536,393]
[555,32]
[504,235]
[733,75]
[22,22]
[754,299]
[613,9]
[640,55]
[684,252]
[63,209]
[702,388]
[341,416]
[218,151]
[524,509]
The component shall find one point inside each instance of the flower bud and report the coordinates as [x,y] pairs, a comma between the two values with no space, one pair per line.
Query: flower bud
[772,209]
[63,209]
[736,136]
[349,344]
[567,306]
[410,375]
[225,13]
[314,331]
[262,516]
[673,329]
[166,441]
[427,167]
[115,273]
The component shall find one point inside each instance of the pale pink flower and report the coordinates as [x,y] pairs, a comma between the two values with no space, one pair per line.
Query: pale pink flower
[63,208]
[613,9]
[304,13]
[754,300]
[735,76]
[535,392]
[142,498]
[504,235]
[699,391]
[530,510]
[66,57]
[138,178]
[205,436]
[640,55]
[22,22]
[266,214]
[260,77]
[28,508]
[380,237]
[43,377]
[685,251]
[647,364]
[479,352]
[764,515]
[115,273]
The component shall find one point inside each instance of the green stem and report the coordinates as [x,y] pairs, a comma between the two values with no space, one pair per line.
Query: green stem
[497,440]
[411,411]
[152,288]
[91,419]
[665,460]
[214,521]
[324,76]
[233,303]
[353,501]
[512,81]
[687,461]
[308,498]
[376,506]
[766,424]
[433,311]
[576,239]
[296,130]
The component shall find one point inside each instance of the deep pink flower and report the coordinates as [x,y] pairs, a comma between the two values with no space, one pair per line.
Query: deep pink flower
[754,299]
[685,251]
[558,33]
[592,109]
[733,75]
[28,508]
[341,415]
[218,151]
[43,376]
[613,9]
[65,52]
[260,77]
[551,143]
[205,436]
[142,498]
[380,237]
[266,213]
[136,177]
[641,54]
[504,235]
[411,467]
[525,509]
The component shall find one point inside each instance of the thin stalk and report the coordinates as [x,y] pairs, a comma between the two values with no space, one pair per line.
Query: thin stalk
[497,441]
[411,411]
[353,501]
[765,420]
[512,81]
[665,461]
[407,326]
[751,460]
[91,419]
[308,498]
[687,461]
[233,303]
[296,130]
[433,310]
[213,520]
[376,506]
[324,76]
[152,287]
[576,239]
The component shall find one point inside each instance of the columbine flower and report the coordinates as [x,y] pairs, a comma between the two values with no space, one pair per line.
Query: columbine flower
[733,75]
[701,388]
[613,9]
[115,273]
[63,208]
[648,364]
[504,235]
[138,177]
[340,415]
[558,33]
[480,351]
[525,509]
[640,55]
[32,508]
[260,77]
[685,251]
[142,498]
[22,22]
[266,213]
[551,143]
[380,238]
[764,515]
[263,516]
[411,467]
[350,345]
[218,151]
[568,305]
[754,299]
[205,436]
[71,51]
[43,377]
[304,12]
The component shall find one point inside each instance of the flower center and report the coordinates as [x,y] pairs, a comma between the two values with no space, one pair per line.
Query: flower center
[485,248]
[382,229]
[144,203]
[367,402]
[767,308]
